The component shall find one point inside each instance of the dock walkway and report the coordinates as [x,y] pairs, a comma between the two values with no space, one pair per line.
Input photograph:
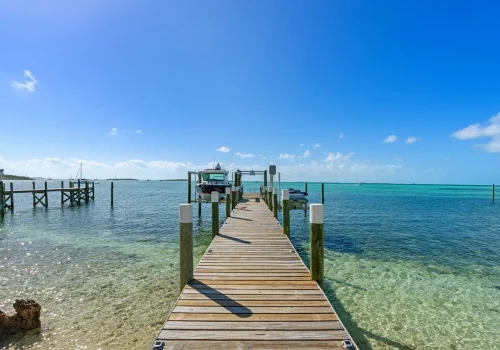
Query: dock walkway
[251,290]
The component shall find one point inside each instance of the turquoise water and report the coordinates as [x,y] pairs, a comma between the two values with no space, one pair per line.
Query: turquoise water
[407,266]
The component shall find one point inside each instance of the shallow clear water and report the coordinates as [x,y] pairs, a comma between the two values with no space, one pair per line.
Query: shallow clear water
[407,266]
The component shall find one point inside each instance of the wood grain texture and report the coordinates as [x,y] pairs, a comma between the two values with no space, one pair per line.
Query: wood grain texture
[251,290]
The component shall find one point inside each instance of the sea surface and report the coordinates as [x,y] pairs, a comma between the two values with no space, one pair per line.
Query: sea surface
[406,266]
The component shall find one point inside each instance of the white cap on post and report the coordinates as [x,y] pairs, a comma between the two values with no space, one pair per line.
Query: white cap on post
[285,194]
[228,190]
[215,196]
[275,190]
[316,214]
[185,213]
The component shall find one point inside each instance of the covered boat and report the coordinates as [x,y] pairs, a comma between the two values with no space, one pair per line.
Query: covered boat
[298,199]
[210,180]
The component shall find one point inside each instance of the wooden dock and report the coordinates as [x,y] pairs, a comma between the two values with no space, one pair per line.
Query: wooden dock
[251,290]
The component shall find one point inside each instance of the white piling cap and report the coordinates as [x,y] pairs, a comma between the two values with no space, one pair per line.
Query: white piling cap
[228,190]
[316,214]
[285,194]
[275,190]
[215,196]
[185,213]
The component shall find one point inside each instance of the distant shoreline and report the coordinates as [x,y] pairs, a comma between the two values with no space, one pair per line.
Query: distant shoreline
[15,177]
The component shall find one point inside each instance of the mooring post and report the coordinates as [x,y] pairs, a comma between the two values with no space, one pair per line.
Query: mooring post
[79,197]
[270,198]
[186,244]
[34,195]
[46,195]
[71,194]
[228,202]
[215,213]
[189,187]
[493,193]
[265,178]
[93,190]
[322,193]
[275,203]
[2,199]
[11,196]
[285,197]
[233,197]
[316,241]
[62,193]
[306,188]
[199,198]
[87,192]
[112,193]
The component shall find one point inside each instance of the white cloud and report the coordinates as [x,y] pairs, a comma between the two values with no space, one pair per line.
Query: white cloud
[412,139]
[476,131]
[341,135]
[335,157]
[244,155]
[307,153]
[29,83]
[290,157]
[113,132]
[223,149]
[391,139]
[138,131]
[317,145]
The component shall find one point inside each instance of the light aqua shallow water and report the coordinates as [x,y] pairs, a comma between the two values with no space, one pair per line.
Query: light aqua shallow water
[407,266]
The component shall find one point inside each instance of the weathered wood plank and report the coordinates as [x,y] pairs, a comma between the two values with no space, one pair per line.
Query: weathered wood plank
[252,335]
[206,317]
[270,326]
[251,344]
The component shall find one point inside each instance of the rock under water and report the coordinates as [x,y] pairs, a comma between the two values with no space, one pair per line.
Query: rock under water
[26,318]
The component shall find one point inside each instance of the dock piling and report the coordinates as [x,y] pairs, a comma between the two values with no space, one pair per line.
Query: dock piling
[275,202]
[2,199]
[11,196]
[493,193]
[186,244]
[265,178]
[79,193]
[215,213]
[228,202]
[46,195]
[233,197]
[316,238]
[199,198]
[270,198]
[285,197]
[322,193]
[34,195]
[93,190]
[112,194]
[189,187]
[87,192]
[62,193]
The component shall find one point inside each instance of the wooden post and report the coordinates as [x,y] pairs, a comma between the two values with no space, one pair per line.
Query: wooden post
[112,194]
[2,199]
[186,244]
[228,202]
[316,241]
[275,203]
[233,197]
[322,193]
[285,196]
[93,190]
[79,198]
[71,194]
[189,187]
[199,199]
[87,195]
[11,196]
[215,213]
[34,195]
[46,194]
[265,178]
[62,193]
[493,193]
[306,188]
[270,199]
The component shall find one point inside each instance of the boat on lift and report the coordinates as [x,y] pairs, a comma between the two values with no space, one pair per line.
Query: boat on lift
[215,179]
[298,199]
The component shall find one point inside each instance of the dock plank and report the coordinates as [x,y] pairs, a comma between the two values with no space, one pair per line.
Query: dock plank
[251,290]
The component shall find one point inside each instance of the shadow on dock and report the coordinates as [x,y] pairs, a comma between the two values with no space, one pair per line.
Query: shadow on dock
[238,218]
[221,299]
[239,240]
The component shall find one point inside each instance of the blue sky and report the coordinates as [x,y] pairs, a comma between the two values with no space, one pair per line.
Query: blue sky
[269,79]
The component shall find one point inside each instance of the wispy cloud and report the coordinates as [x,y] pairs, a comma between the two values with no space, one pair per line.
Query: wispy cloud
[223,149]
[391,139]
[29,83]
[341,135]
[244,155]
[138,131]
[290,157]
[307,153]
[476,131]
[113,132]
[317,145]
[334,157]
[412,139]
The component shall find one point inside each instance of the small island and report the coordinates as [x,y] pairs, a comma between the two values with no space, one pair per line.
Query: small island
[122,179]
[14,177]
[174,180]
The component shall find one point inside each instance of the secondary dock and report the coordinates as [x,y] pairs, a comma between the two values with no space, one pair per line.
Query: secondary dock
[251,290]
